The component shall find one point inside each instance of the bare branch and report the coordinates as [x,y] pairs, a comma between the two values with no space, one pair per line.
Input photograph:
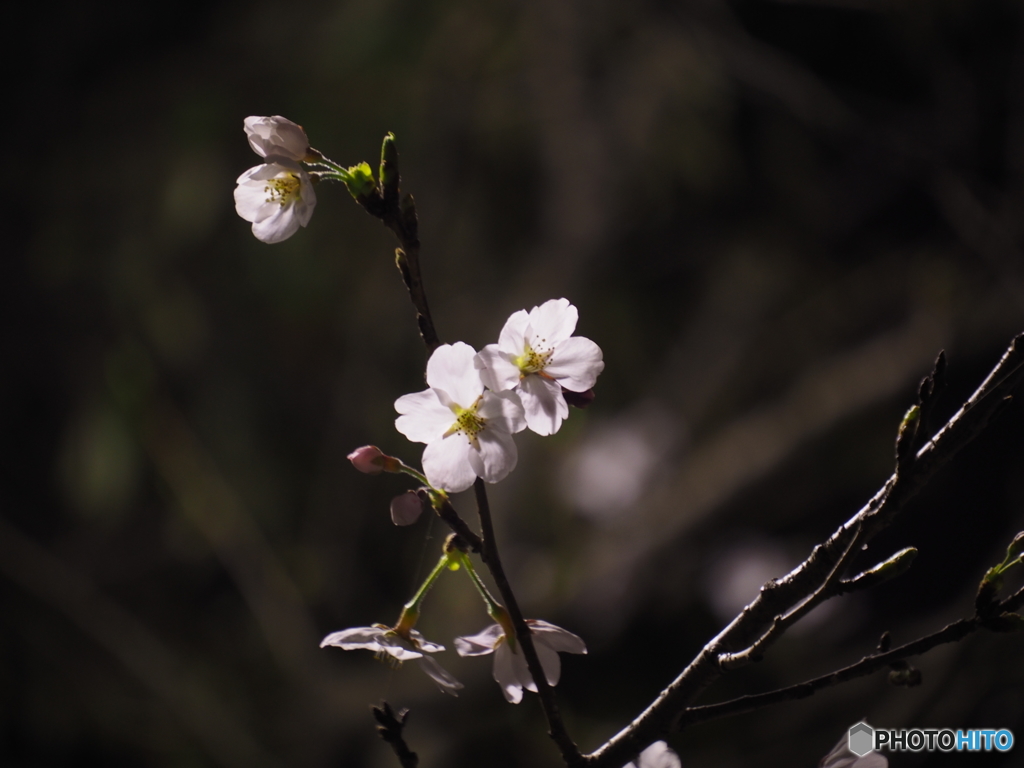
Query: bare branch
[866,666]
[776,597]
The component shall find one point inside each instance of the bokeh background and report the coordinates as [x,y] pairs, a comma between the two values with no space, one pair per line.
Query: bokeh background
[771,214]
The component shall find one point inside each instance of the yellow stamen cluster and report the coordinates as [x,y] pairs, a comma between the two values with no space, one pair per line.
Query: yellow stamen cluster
[533,360]
[283,189]
[468,423]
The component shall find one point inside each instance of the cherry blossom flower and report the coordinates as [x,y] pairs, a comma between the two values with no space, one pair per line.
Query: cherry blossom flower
[277,197]
[386,641]
[510,670]
[277,137]
[468,430]
[658,755]
[537,356]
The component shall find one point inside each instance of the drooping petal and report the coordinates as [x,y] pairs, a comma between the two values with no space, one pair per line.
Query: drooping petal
[424,418]
[512,338]
[575,364]
[495,455]
[549,660]
[452,369]
[497,370]
[479,644]
[505,674]
[276,136]
[556,638]
[522,671]
[551,323]
[446,463]
[543,404]
[444,679]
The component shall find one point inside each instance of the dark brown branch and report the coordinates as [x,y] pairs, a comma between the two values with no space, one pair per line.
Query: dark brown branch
[489,554]
[389,727]
[777,597]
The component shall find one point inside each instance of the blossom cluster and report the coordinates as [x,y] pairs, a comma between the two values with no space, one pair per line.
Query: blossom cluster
[510,670]
[475,402]
[276,196]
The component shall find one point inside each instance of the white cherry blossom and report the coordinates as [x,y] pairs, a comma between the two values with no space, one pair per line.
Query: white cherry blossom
[468,431]
[386,641]
[537,355]
[658,755]
[276,137]
[277,197]
[510,670]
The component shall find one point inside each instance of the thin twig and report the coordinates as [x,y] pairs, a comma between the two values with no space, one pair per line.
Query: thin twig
[389,728]
[869,664]
[489,554]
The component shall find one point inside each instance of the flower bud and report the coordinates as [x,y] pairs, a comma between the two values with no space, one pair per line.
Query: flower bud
[371,460]
[406,509]
[277,137]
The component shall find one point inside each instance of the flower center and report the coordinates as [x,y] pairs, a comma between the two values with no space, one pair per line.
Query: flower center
[533,360]
[467,422]
[283,189]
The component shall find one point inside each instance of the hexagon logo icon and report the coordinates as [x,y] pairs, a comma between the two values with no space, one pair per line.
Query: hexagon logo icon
[862,736]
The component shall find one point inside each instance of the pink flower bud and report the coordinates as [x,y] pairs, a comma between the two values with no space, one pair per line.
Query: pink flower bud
[406,509]
[369,459]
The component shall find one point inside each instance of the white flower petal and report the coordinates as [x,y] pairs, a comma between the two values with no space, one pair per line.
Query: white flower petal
[424,418]
[354,637]
[495,455]
[543,404]
[446,463]
[479,644]
[505,407]
[512,338]
[522,671]
[279,226]
[575,364]
[444,679]
[552,322]
[451,368]
[497,370]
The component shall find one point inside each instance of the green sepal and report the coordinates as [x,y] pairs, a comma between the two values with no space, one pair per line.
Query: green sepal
[360,182]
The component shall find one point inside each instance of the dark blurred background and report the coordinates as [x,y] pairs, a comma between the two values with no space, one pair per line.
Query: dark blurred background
[771,214]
